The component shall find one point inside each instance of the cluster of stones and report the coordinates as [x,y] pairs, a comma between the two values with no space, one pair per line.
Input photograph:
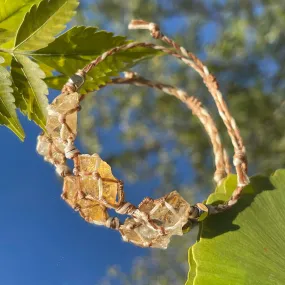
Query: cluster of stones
[91,188]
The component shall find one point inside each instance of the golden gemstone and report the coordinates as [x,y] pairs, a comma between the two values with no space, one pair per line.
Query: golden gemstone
[142,235]
[61,106]
[91,211]
[170,213]
[97,179]
[46,148]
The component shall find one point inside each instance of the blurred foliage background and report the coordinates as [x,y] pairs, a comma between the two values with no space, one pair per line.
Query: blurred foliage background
[155,137]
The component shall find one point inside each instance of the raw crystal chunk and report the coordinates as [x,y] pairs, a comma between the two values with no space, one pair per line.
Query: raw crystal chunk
[91,211]
[171,212]
[97,179]
[142,235]
[89,163]
[43,145]
[61,106]
[51,153]
[71,187]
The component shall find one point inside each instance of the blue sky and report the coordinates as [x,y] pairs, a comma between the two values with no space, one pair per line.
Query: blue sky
[42,240]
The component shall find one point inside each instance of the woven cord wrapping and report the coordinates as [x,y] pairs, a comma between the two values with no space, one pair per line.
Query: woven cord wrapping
[91,187]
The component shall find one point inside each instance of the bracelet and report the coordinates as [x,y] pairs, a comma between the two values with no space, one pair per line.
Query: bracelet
[91,189]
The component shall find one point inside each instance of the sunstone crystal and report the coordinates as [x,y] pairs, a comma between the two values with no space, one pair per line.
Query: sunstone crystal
[142,235]
[71,187]
[91,211]
[61,105]
[171,213]
[96,174]
[43,145]
[48,149]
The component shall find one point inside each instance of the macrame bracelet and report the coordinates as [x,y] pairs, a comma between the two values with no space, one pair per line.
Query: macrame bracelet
[91,188]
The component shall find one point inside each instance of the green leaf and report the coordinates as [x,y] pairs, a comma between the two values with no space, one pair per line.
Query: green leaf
[6,59]
[56,82]
[31,90]
[8,116]
[77,47]
[244,245]
[80,45]
[4,36]
[11,16]
[42,23]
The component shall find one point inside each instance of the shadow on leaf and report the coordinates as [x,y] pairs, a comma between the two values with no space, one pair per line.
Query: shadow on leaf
[221,223]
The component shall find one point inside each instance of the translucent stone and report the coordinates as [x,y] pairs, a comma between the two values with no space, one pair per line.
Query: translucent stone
[129,233]
[171,213]
[91,211]
[173,217]
[60,106]
[141,235]
[46,148]
[43,145]
[89,165]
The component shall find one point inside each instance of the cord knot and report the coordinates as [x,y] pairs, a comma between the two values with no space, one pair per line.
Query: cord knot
[144,25]
[130,75]
[239,158]
[154,30]
[219,175]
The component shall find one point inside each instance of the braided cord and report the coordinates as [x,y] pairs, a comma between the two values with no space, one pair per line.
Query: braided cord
[239,159]
[221,158]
